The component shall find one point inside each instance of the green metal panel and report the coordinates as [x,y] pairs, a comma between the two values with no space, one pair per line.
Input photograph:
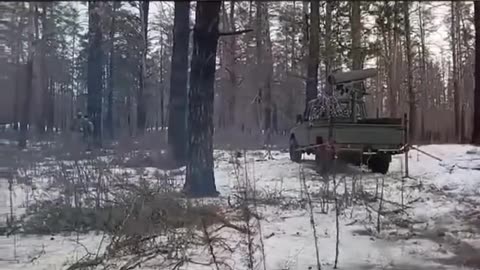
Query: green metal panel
[375,136]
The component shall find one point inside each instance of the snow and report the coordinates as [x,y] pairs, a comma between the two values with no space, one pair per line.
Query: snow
[442,207]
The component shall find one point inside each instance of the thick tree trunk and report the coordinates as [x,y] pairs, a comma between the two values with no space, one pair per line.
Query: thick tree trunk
[18,85]
[476,106]
[95,66]
[313,53]
[267,99]
[232,42]
[305,36]
[356,24]
[200,180]
[45,74]
[177,115]
[329,53]
[109,121]
[412,111]
[264,67]
[19,70]
[393,99]
[28,91]
[40,72]
[141,102]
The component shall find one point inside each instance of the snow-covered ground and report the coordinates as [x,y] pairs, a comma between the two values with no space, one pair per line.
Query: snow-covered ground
[439,229]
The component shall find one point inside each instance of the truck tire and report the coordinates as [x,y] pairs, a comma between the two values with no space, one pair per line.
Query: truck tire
[295,156]
[379,163]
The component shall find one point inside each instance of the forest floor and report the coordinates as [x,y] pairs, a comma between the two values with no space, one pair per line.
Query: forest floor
[436,227]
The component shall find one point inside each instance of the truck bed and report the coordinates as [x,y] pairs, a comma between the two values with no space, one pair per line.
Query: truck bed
[375,135]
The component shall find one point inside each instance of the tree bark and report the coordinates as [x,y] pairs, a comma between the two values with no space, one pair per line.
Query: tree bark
[423,67]
[305,37]
[18,50]
[412,112]
[313,53]
[141,102]
[356,24]
[476,106]
[232,42]
[40,71]
[162,86]
[200,180]
[28,90]
[95,69]
[329,54]
[177,116]
[456,90]
[109,121]
[394,64]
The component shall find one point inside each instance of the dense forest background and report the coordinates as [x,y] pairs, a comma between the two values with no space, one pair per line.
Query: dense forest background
[262,76]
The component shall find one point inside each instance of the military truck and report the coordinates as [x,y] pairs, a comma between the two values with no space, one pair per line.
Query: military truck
[337,126]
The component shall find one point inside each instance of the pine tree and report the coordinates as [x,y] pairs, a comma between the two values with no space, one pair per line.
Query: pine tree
[476,115]
[177,117]
[95,69]
[200,179]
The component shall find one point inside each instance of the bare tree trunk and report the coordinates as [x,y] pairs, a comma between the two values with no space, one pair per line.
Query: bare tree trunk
[305,36]
[264,66]
[200,179]
[423,63]
[356,24]
[476,106]
[28,91]
[111,81]
[313,53]
[231,67]
[141,102]
[393,65]
[50,105]
[162,86]
[40,72]
[95,69]
[456,90]
[49,99]
[267,102]
[293,44]
[177,115]
[412,112]
[328,42]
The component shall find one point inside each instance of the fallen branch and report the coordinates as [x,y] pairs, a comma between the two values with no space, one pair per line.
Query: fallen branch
[239,32]
[86,264]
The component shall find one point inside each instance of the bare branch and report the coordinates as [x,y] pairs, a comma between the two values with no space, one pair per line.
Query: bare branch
[239,32]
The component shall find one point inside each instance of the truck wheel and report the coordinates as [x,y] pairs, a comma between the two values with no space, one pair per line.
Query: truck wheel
[379,163]
[295,156]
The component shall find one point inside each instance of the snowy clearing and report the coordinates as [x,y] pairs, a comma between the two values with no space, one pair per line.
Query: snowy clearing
[439,228]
